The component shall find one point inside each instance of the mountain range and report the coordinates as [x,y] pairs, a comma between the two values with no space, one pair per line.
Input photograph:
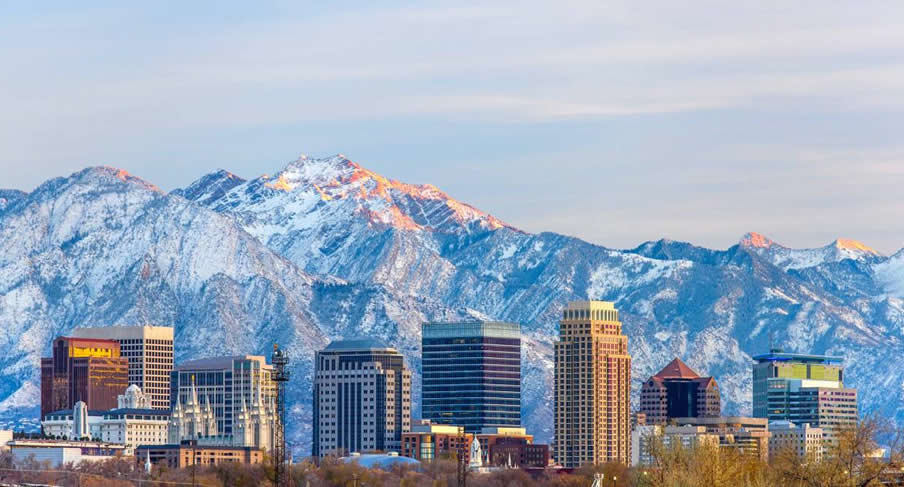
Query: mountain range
[326,249]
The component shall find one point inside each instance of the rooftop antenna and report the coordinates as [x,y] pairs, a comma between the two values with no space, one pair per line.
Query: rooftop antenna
[280,377]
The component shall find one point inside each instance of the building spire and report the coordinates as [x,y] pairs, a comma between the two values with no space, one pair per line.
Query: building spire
[194,392]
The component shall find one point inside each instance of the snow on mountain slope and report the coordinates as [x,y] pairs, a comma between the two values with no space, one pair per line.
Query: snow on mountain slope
[714,308]
[787,258]
[103,248]
[327,249]
[890,274]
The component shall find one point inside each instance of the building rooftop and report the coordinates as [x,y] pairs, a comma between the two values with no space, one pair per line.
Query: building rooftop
[118,332]
[456,329]
[91,412]
[220,362]
[63,444]
[676,369]
[195,447]
[357,344]
[87,339]
[779,356]
[156,412]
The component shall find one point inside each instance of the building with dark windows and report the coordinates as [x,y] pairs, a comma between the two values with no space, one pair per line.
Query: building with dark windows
[223,387]
[803,388]
[149,350]
[472,374]
[676,391]
[362,398]
[87,370]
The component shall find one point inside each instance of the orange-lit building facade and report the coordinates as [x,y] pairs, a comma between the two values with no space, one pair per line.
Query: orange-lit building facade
[592,387]
[431,441]
[82,369]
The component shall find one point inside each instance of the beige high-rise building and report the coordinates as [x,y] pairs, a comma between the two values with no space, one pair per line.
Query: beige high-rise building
[150,353]
[592,386]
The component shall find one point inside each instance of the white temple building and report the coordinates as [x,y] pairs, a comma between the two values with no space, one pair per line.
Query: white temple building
[193,420]
[252,425]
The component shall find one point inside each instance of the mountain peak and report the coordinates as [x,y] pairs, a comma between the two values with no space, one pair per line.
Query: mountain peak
[114,175]
[757,240]
[386,200]
[846,244]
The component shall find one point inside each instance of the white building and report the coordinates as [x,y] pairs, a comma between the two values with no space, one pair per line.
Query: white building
[131,424]
[59,453]
[689,437]
[192,420]
[150,353]
[802,440]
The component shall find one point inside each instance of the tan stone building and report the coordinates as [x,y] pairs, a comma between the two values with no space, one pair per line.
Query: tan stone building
[149,350]
[187,454]
[592,386]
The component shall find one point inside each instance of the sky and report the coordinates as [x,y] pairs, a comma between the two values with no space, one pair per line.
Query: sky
[617,122]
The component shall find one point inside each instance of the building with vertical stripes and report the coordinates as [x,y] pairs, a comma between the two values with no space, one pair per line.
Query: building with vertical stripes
[149,350]
[592,387]
[472,374]
[362,398]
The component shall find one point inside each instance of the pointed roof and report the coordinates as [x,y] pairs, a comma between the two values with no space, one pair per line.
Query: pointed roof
[676,369]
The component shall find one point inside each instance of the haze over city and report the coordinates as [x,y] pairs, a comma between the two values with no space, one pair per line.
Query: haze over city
[616,122]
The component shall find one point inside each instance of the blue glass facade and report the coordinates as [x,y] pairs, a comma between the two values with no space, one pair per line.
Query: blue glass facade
[472,374]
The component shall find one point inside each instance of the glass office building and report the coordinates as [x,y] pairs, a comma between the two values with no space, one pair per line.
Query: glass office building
[803,388]
[472,374]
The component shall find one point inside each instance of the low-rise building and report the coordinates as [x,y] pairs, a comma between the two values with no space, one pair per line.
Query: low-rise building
[801,440]
[511,447]
[131,424]
[59,452]
[643,437]
[190,453]
[427,442]
[748,435]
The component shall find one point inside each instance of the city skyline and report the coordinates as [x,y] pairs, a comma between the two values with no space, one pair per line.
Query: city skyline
[699,123]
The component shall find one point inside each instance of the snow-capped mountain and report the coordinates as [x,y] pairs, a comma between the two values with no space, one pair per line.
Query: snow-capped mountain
[325,249]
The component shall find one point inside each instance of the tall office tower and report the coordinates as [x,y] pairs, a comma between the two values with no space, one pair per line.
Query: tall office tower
[472,374]
[362,398]
[678,392]
[592,386]
[150,353]
[237,390]
[802,389]
[81,369]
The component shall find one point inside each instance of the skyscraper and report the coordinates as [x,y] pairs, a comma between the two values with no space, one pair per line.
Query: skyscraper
[676,391]
[472,374]
[803,388]
[592,386]
[149,350]
[362,398]
[87,370]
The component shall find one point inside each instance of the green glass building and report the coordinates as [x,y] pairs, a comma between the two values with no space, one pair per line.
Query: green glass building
[803,388]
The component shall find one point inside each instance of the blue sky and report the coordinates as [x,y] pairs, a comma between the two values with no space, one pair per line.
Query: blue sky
[611,121]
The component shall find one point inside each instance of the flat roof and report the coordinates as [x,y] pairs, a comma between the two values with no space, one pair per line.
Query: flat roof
[220,362]
[118,332]
[797,357]
[195,447]
[358,344]
[471,329]
[86,339]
